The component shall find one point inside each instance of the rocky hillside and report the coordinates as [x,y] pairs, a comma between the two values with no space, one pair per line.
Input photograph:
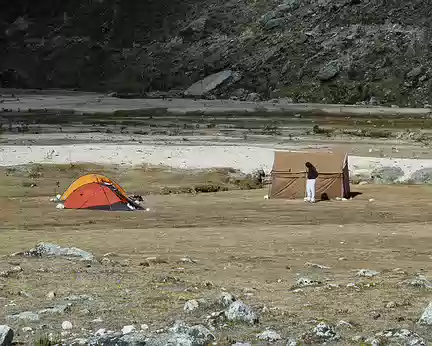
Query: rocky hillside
[339,51]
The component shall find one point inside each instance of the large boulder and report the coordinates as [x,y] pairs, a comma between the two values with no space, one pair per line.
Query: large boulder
[6,335]
[53,250]
[180,335]
[387,174]
[426,317]
[210,83]
[329,71]
[239,311]
[400,337]
[422,176]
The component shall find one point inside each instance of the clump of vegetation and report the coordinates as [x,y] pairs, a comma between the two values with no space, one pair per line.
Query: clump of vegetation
[272,130]
[35,172]
[317,130]
[46,340]
[369,133]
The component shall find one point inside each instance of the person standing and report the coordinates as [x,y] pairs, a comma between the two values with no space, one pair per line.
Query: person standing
[312,175]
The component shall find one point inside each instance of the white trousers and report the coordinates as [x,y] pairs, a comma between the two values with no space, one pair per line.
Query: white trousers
[310,190]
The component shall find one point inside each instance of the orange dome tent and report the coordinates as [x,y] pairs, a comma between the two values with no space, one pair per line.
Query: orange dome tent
[94,191]
[88,179]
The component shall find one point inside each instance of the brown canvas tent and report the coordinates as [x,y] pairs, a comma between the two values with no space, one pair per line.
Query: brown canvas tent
[288,176]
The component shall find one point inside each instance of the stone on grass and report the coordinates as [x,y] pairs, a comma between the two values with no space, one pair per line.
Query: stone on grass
[51,295]
[315,265]
[67,325]
[11,271]
[53,250]
[6,335]
[225,299]
[391,305]
[179,334]
[57,309]
[367,273]
[128,329]
[191,305]
[80,297]
[401,337]
[325,331]
[100,332]
[306,282]
[238,311]
[269,336]
[27,316]
[426,317]
[420,282]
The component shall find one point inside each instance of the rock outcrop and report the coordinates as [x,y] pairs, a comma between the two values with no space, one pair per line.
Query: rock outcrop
[319,51]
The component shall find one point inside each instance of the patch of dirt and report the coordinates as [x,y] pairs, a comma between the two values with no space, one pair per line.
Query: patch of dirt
[254,248]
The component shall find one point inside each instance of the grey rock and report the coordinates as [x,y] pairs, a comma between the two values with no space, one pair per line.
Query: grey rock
[195,27]
[329,71]
[367,273]
[209,83]
[269,336]
[53,250]
[225,299]
[415,72]
[191,305]
[81,297]
[275,23]
[253,97]
[293,342]
[307,282]
[238,311]
[268,16]
[422,176]
[288,5]
[325,331]
[401,337]
[27,316]
[6,335]
[420,282]
[426,317]
[241,344]
[387,175]
[315,265]
[11,271]
[57,309]
[373,342]
[180,335]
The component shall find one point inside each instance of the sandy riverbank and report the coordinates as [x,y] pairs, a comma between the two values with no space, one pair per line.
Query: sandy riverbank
[245,158]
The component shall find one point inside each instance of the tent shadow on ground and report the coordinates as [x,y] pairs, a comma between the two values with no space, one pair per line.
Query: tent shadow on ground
[353,194]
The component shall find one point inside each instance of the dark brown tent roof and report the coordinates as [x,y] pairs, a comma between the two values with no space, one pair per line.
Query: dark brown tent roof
[294,162]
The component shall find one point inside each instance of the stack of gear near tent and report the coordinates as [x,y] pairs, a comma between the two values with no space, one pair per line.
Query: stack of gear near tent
[288,176]
[95,191]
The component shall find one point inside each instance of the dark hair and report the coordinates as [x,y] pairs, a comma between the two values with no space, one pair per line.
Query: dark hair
[308,164]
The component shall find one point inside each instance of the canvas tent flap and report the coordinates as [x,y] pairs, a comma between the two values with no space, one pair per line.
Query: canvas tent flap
[294,162]
[289,174]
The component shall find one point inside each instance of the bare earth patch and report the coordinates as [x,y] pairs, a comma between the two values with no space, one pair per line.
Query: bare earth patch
[194,246]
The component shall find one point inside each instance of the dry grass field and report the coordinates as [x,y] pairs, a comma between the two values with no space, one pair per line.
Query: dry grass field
[239,242]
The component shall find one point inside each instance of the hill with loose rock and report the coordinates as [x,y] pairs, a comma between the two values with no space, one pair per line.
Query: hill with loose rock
[331,51]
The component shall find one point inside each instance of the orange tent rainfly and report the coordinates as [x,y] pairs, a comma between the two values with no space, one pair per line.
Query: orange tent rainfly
[288,177]
[94,191]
